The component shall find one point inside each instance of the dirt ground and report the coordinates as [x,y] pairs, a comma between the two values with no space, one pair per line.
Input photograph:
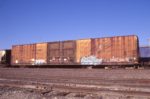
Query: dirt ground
[20,93]
[45,83]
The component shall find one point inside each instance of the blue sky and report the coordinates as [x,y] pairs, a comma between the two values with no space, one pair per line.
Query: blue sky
[30,21]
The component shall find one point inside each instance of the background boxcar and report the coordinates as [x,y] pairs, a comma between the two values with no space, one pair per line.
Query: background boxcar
[5,57]
[145,55]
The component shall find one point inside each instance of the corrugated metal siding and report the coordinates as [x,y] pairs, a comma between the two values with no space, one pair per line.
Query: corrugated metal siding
[68,51]
[116,49]
[101,48]
[131,47]
[23,54]
[145,52]
[54,52]
[61,52]
[83,48]
[54,45]
[41,52]
[28,54]
[16,54]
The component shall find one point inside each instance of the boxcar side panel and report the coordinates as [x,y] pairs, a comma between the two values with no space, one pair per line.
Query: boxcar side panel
[23,54]
[68,52]
[83,48]
[41,53]
[116,49]
[54,52]
[16,54]
[29,54]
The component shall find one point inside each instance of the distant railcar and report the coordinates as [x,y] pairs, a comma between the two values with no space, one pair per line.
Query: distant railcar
[5,57]
[118,50]
[145,55]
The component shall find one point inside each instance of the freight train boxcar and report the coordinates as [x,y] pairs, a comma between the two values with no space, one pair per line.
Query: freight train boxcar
[116,50]
[5,57]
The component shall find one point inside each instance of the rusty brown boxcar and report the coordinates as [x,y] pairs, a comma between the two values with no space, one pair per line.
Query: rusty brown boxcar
[117,50]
